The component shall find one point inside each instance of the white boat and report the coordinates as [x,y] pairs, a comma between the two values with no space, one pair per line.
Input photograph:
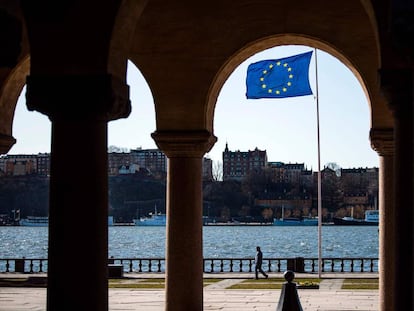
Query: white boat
[154,219]
[34,221]
[43,221]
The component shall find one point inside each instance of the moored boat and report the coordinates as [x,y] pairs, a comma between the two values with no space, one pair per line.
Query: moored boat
[154,219]
[34,221]
[110,220]
[43,221]
[293,221]
[371,219]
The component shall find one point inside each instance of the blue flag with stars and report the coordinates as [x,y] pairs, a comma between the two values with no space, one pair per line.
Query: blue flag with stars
[279,78]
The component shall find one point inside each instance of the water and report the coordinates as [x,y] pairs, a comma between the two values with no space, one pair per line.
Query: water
[218,241]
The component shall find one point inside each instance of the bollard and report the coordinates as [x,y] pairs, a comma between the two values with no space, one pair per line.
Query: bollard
[290,265]
[299,264]
[115,271]
[296,264]
[289,299]
[19,265]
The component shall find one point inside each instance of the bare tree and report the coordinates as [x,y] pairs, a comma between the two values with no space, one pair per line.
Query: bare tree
[117,149]
[217,171]
[335,167]
[267,213]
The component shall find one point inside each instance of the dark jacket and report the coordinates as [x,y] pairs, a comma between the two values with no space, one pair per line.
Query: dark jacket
[259,258]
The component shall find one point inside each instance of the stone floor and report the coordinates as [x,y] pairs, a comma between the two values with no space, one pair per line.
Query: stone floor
[217,296]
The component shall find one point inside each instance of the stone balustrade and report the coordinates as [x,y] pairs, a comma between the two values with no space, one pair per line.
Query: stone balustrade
[211,265]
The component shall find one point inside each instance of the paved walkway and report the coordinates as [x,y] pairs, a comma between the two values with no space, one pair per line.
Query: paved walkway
[329,297]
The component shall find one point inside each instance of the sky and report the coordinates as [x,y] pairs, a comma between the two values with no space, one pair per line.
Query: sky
[286,128]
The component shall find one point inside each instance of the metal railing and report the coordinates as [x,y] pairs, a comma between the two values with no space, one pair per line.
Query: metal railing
[212,265]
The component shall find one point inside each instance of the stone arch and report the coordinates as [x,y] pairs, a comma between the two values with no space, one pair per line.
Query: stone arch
[374,98]
[122,36]
[9,95]
[141,121]
[124,26]
[208,46]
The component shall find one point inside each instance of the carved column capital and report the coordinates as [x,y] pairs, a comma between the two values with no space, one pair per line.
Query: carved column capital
[184,143]
[6,142]
[382,141]
[77,96]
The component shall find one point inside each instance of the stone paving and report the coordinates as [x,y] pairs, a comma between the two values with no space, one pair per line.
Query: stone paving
[328,297]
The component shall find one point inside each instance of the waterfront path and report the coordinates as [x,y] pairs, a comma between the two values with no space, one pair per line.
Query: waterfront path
[217,296]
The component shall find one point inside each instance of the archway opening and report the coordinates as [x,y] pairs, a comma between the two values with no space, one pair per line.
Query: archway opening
[286,129]
[135,131]
[137,172]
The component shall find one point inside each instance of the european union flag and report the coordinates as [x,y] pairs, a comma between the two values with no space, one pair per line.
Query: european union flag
[278,78]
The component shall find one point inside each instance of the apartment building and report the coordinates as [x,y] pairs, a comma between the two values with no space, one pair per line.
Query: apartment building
[152,160]
[25,164]
[237,165]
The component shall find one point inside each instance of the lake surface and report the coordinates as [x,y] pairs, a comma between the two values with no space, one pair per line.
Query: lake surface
[218,241]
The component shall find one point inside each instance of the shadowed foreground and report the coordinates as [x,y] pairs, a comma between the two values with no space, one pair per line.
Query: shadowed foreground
[217,296]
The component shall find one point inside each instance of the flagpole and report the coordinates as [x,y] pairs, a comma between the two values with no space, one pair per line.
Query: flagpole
[319,174]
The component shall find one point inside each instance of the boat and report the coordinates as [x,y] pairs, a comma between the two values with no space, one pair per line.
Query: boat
[110,220]
[371,219]
[294,221]
[154,219]
[237,223]
[34,221]
[43,221]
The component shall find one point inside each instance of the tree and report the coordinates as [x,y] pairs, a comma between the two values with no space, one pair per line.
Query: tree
[217,171]
[267,213]
[117,149]
[225,213]
[259,182]
[332,196]
[335,167]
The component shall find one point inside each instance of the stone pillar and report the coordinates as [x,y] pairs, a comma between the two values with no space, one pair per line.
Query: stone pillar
[184,249]
[382,141]
[6,142]
[397,84]
[79,107]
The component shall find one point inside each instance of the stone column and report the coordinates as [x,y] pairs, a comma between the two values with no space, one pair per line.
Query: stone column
[184,249]
[382,141]
[79,107]
[397,84]
[6,142]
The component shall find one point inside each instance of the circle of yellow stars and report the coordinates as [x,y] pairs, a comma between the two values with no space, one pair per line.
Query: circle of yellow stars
[278,90]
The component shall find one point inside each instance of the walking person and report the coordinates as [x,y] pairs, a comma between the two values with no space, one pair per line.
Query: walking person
[258,263]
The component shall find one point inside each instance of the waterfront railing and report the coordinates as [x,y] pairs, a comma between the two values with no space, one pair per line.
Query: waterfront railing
[212,265]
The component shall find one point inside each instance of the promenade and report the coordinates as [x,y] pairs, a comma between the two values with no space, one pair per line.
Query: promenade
[217,296]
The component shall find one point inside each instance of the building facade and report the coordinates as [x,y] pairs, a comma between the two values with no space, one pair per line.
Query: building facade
[25,164]
[117,160]
[237,165]
[207,169]
[151,159]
